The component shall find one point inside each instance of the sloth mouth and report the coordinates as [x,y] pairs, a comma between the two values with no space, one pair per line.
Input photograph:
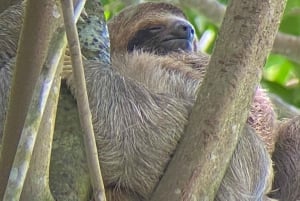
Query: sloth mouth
[176,39]
[177,44]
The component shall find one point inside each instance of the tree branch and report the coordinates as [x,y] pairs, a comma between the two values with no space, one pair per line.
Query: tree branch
[288,45]
[33,45]
[204,152]
[32,122]
[211,9]
[284,44]
[283,109]
[82,101]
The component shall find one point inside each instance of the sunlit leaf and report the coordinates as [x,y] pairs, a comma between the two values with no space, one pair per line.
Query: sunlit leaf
[278,69]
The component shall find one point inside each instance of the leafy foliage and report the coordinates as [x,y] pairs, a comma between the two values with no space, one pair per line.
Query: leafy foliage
[281,76]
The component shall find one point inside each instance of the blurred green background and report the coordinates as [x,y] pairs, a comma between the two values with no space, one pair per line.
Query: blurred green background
[280,75]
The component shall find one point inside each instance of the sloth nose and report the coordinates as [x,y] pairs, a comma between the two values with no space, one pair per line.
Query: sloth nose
[184,30]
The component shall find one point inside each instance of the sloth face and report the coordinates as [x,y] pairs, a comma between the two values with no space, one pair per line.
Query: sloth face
[172,35]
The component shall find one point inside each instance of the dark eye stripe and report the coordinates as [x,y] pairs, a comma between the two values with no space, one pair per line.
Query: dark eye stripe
[140,38]
[155,29]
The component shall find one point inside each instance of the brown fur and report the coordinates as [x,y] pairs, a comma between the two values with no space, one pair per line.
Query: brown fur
[286,158]
[124,26]
[140,106]
[135,18]
[262,118]
[135,149]
[10,25]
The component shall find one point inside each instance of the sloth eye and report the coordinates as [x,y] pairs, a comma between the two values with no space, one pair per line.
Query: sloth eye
[155,29]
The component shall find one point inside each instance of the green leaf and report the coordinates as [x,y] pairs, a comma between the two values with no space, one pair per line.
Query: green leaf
[278,69]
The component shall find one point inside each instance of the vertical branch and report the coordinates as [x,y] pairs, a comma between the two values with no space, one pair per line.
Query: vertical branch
[82,100]
[35,35]
[201,159]
[32,125]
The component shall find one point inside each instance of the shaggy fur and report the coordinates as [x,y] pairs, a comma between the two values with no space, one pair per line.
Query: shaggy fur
[286,158]
[140,105]
[10,25]
[138,130]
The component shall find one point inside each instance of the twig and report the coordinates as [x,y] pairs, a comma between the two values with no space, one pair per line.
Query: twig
[82,101]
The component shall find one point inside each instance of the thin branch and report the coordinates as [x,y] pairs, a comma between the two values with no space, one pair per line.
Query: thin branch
[283,109]
[211,9]
[247,33]
[36,113]
[284,44]
[82,101]
[33,120]
[33,45]
[288,45]
[132,2]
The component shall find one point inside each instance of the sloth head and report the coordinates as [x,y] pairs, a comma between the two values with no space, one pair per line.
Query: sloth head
[159,28]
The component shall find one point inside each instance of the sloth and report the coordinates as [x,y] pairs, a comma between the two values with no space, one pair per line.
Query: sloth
[140,105]
[141,101]
[160,34]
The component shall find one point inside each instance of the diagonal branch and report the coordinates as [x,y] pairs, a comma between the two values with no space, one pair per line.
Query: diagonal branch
[285,44]
[33,121]
[288,45]
[204,152]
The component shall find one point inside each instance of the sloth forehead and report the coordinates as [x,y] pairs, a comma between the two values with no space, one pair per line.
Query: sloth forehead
[146,12]
[134,18]
[148,22]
